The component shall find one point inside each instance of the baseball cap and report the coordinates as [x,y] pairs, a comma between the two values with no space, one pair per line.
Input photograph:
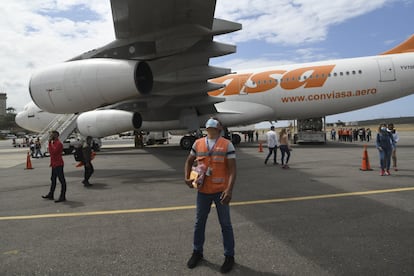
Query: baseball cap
[212,123]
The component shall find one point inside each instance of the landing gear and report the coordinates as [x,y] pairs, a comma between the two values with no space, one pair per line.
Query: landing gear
[187,142]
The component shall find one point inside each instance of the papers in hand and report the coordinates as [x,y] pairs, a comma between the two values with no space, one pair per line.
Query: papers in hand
[198,174]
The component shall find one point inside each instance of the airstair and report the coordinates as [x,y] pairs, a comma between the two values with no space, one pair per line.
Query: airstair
[65,124]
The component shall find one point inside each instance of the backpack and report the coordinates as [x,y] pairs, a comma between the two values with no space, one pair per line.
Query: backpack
[78,154]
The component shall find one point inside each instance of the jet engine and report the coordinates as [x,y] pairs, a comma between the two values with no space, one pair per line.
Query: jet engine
[83,85]
[101,123]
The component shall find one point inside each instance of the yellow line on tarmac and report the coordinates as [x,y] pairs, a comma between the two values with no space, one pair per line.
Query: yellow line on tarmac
[278,200]
[177,208]
[97,213]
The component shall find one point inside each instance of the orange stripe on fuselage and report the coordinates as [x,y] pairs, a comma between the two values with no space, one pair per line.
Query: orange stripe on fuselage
[264,81]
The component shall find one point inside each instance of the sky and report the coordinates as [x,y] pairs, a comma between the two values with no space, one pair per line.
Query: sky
[38,33]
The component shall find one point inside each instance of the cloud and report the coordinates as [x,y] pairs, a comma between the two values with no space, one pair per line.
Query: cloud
[291,22]
[36,34]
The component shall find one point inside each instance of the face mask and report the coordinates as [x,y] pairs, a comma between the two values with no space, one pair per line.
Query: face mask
[383,128]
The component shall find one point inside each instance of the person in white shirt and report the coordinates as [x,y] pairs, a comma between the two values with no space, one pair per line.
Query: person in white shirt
[272,144]
[394,149]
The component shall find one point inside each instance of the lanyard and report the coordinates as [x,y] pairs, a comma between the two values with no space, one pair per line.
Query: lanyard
[210,151]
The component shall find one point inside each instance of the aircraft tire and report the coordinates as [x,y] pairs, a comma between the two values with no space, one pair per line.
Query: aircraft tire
[187,142]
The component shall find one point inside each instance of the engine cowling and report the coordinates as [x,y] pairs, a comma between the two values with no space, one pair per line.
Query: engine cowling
[101,123]
[83,85]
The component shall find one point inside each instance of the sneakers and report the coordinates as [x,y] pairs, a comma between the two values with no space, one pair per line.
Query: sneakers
[194,260]
[197,257]
[61,199]
[48,196]
[86,183]
[285,166]
[227,265]
[385,172]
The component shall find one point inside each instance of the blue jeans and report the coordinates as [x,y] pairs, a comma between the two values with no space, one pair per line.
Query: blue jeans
[385,158]
[204,202]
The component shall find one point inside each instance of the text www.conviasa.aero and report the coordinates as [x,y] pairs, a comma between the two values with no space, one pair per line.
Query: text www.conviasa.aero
[329,96]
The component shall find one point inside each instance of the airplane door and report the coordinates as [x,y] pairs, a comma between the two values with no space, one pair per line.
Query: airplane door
[386,67]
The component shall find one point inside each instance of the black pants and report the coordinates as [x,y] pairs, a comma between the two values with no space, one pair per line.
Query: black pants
[88,171]
[57,172]
[274,151]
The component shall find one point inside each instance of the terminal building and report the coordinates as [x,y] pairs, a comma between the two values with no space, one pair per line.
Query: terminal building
[3,104]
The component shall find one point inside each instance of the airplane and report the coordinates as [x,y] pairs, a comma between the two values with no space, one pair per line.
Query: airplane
[156,76]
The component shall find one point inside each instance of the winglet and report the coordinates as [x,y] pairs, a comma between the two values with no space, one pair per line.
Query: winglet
[406,46]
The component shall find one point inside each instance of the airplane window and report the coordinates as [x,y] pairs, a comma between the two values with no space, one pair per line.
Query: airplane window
[359,72]
[304,77]
[317,76]
[335,74]
[323,75]
[329,75]
[347,73]
[258,83]
[341,73]
[264,82]
[310,76]
[353,72]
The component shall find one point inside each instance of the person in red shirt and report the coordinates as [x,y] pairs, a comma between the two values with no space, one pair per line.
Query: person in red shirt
[56,162]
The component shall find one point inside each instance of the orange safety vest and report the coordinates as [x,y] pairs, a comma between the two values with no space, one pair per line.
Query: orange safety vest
[216,160]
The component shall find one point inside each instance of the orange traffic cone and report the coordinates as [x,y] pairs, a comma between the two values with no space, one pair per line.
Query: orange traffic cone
[365,161]
[260,147]
[28,162]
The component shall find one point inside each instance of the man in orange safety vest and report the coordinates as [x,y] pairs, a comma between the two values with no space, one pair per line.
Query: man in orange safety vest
[216,155]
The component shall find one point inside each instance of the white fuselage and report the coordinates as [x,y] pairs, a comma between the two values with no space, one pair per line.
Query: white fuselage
[33,118]
[318,89]
[284,92]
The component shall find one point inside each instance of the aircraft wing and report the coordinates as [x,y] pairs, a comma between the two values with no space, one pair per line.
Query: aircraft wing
[175,39]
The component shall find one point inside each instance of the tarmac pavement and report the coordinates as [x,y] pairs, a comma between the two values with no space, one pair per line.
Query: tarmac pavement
[323,216]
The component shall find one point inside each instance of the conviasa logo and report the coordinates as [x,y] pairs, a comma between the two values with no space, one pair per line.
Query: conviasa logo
[263,81]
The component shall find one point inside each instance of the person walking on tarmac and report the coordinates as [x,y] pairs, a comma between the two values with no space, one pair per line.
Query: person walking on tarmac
[87,161]
[385,144]
[56,162]
[284,148]
[272,144]
[394,149]
[218,157]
